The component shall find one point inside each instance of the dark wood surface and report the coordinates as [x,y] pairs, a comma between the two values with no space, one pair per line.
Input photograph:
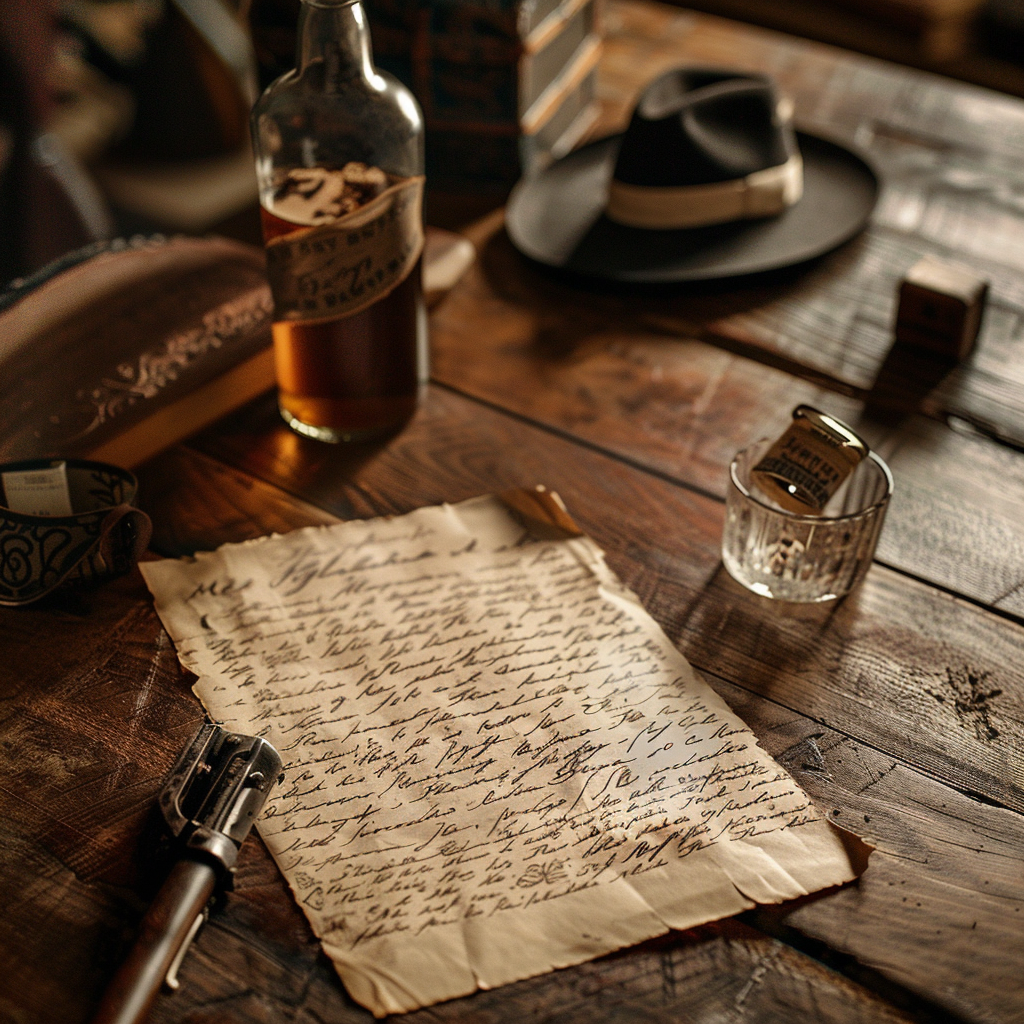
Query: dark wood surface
[900,709]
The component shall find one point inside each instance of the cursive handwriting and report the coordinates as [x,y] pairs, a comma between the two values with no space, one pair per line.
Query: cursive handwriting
[467,732]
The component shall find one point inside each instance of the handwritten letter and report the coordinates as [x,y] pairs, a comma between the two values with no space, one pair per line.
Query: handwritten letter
[496,762]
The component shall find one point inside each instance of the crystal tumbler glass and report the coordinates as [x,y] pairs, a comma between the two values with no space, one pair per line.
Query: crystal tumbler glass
[796,557]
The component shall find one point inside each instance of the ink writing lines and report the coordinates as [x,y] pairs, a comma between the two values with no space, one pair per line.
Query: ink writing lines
[470,734]
[495,761]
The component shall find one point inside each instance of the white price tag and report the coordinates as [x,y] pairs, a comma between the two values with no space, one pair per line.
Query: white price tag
[38,492]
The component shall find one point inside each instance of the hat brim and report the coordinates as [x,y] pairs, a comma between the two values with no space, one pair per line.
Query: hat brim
[556,218]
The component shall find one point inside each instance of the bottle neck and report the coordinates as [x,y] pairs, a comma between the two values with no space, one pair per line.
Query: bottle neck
[334,39]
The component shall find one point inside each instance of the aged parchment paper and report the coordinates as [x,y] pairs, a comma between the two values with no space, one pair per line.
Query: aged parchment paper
[496,762]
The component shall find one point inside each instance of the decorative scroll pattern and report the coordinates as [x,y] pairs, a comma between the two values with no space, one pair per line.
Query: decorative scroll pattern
[38,554]
[152,371]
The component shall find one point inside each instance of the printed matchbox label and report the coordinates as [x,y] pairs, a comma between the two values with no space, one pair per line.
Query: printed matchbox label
[805,467]
[38,492]
[337,269]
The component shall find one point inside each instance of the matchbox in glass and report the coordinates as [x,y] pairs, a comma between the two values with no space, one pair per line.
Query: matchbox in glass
[799,557]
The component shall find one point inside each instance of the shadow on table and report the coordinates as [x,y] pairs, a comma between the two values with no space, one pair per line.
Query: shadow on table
[759,641]
[569,308]
[242,480]
[907,376]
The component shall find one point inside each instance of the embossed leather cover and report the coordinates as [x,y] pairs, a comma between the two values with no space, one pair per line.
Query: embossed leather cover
[121,349]
[124,348]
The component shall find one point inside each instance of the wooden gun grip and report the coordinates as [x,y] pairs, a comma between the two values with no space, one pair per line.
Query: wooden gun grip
[165,929]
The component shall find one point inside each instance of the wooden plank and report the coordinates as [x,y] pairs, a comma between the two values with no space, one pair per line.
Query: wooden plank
[94,710]
[951,160]
[579,364]
[727,971]
[603,368]
[663,540]
[830,85]
[922,34]
[199,504]
[901,705]
[930,681]
[97,720]
[943,896]
[927,659]
[955,518]
[957,857]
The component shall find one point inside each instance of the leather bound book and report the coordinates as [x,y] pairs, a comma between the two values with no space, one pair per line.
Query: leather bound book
[505,85]
[120,349]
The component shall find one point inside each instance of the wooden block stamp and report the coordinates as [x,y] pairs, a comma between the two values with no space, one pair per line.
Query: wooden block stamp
[940,308]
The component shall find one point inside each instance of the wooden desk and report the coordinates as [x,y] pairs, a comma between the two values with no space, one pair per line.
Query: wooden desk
[900,709]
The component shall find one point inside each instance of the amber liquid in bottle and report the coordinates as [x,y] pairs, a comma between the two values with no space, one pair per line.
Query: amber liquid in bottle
[354,376]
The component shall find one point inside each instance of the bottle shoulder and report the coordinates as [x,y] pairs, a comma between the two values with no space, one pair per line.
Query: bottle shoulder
[311,89]
[371,119]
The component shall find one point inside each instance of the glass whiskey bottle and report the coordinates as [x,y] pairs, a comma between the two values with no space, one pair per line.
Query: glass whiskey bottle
[339,161]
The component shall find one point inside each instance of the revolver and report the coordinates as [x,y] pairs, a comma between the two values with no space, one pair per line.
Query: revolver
[209,802]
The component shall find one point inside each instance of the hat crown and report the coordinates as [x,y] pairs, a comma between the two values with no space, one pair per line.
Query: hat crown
[694,127]
[574,216]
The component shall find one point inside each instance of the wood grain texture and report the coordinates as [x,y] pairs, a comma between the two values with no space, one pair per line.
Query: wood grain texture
[925,658]
[900,709]
[203,504]
[950,159]
[899,682]
[598,367]
[923,677]
[725,972]
[93,711]
[958,857]
[944,894]
[955,518]
[97,727]
[582,365]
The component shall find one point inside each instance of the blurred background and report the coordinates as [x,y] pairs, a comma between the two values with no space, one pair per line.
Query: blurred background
[120,117]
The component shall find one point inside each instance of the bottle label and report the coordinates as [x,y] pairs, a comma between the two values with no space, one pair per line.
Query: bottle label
[328,270]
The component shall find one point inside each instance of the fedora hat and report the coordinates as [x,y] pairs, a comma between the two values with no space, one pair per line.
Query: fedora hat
[710,180]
